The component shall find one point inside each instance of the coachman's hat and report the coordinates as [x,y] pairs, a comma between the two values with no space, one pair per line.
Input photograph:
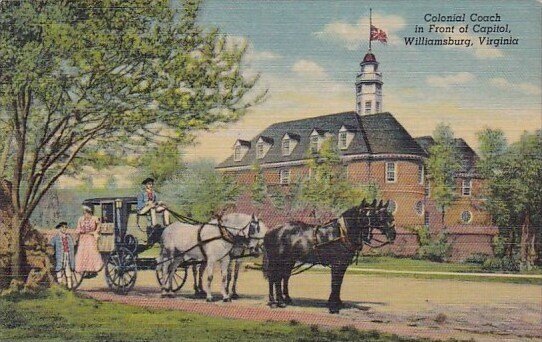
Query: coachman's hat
[61,224]
[147,180]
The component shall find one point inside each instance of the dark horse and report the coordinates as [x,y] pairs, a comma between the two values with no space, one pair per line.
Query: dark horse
[333,244]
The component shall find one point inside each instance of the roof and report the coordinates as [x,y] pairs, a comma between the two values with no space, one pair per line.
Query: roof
[369,58]
[373,134]
[109,199]
[467,154]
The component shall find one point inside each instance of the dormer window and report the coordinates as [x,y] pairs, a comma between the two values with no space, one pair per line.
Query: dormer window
[240,149]
[237,155]
[314,143]
[260,150]
[346,135]
[342,140]
[263,145]
[285,147]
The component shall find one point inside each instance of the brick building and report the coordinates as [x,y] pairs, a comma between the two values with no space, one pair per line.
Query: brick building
[374,148]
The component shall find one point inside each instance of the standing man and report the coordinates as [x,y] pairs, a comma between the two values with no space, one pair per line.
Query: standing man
[64,254]
[148,204]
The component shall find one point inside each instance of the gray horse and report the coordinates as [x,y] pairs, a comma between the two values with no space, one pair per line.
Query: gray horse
[212,243]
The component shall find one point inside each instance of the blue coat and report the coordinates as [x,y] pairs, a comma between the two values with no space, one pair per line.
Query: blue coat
[142,199]
[56,242]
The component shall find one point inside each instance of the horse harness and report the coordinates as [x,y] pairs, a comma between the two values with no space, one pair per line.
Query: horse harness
[342,238]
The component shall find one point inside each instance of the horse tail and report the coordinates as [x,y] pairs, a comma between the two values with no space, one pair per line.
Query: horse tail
[265,264]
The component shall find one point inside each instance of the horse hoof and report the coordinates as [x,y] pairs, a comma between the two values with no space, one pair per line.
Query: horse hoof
[226,300]
[334,310]
[272,305]
[281,305]
[288,301]
[164,295]
[234,296]
[209,300]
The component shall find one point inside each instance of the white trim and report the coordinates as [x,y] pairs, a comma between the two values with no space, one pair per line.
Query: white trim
[470,219]
[346,158]
[395,173]
[463,187]
[284,176]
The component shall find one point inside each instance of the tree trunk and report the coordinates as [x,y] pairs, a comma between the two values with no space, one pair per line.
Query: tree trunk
[527,247]
[16,256]
[5,154]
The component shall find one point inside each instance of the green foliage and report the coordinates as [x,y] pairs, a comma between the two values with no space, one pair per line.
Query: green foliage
[161,163]
[514,187]
[84,83]
[443,164]
[259,187]
[328,186]
[501,264]
[200,191]
[61,315]
[433,248]
[477,258]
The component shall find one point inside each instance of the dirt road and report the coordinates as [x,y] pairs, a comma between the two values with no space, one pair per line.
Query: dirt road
[413,307]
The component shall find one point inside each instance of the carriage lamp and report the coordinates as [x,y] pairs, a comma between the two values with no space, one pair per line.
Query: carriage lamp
[118,204]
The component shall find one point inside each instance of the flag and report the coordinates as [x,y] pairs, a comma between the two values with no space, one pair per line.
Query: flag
[378,34]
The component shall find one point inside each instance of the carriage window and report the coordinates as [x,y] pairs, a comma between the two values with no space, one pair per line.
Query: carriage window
[108,215]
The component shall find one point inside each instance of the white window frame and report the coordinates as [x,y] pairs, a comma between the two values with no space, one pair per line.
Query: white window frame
[314,141]
[368,106]
[284,175]
[426,218]
[466,187]
[470,219]
[388,172]
[419,213]
[343,140]
[285,150]
[421,174]
[260,150]
[238,153]
[396,206]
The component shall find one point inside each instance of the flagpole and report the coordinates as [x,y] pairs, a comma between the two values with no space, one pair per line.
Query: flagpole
[370,25]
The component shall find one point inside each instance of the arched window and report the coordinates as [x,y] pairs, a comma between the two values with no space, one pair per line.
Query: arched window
[392,207]
[466,217]
[419,207]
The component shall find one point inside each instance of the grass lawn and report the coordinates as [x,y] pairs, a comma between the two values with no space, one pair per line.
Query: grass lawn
[60,315]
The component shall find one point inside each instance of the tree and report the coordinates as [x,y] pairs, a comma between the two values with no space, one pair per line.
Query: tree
[259,187]
[200,191]
[82,76]
[514,190]
[327,187]
[443,165]
[161,162]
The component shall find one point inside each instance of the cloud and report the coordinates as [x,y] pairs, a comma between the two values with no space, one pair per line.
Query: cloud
[450,80]
[527,88]
[262,55]
[308,68]
[480,51]
[352,35]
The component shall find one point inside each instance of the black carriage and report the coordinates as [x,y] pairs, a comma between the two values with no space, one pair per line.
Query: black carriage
[124,235]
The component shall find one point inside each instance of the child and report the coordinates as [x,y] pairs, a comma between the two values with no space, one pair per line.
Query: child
[64,253]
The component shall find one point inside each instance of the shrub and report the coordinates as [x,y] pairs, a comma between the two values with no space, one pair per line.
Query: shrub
[477,258]
[504,264]
[432,248]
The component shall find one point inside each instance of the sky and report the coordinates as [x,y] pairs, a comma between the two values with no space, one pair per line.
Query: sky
[308,55]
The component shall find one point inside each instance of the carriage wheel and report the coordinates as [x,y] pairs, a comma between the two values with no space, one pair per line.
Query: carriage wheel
[121,270]
[71,282]
[177,280]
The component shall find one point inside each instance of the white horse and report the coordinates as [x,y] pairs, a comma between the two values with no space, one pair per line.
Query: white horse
[211,243]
